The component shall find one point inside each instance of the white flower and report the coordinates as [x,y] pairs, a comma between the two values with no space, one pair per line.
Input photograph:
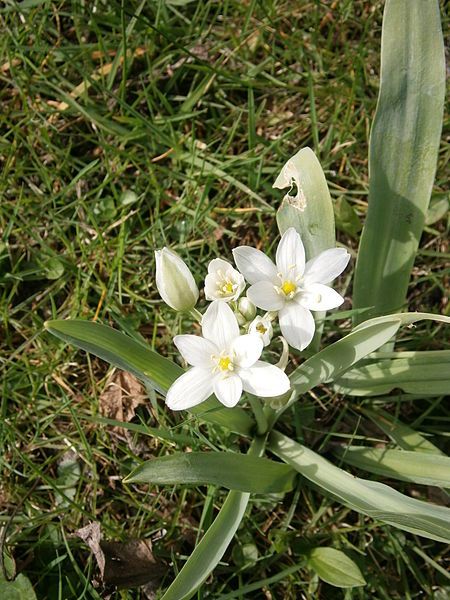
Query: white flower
[174,281]
[289,176]
[223,282]
[262,326]
[290,286]
[224,363]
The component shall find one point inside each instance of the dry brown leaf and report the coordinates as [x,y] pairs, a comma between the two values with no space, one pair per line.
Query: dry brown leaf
[123,393]
[122,564]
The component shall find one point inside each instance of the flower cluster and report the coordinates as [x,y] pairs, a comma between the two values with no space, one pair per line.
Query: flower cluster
[225,361]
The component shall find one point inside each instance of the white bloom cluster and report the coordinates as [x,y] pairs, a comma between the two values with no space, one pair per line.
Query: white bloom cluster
[225,361]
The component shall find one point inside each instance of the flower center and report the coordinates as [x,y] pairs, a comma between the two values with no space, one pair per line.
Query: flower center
[224,363]
[228,287]
[261,329]
[288,287]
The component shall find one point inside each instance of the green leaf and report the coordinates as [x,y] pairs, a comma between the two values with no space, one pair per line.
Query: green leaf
[315,223]
[437,210]
[371,498]
[53,268]
[419,467]
[210,549]
[335,567]
[403,151]
[214,543]
[228,469]
[426,373]
[19,589]
[405,437]
[346,218]
[126,353]
[327,364]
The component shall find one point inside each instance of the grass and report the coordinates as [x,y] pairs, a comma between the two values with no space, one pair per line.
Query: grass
[126,127]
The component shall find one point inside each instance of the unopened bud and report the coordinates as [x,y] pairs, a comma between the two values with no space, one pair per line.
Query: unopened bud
[174,281]
[246,308]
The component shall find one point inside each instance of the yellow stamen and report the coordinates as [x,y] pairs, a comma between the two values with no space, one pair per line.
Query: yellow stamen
[228,288]
[261,329]
[288,287]
[225,364]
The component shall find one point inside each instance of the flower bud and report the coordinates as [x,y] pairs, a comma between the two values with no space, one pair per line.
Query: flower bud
[262,326]
[247,308]
[174,281]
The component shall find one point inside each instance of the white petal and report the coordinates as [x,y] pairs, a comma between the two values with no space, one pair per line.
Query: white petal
[326,266]
[254,264]
[211,287]
[219,325]
[319,297]
[196,350]
[297,325]
[264,380]
[290,257]
[190,389]
[228,390]
[218,264]
[264,295]
[247,349]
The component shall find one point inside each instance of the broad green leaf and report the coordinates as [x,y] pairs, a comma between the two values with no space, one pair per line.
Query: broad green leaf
[425,373]
[126,353]
[331,362]
[315,223]
[405,437]
[406,318]
[335,567]
[214,543]
[346,218]
[437,210]
[20,587]
[419,467]
[228,469]
[210,549]
[327,364]
[403,151]
[371,498]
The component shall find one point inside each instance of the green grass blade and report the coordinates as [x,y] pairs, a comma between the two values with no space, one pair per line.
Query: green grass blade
[228,469]
[403,152]
[425,373]
[423,468]
[405,437]
[371,498]
[126,353]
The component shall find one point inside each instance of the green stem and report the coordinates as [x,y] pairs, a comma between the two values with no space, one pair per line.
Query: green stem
[196,314]
[262,424]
